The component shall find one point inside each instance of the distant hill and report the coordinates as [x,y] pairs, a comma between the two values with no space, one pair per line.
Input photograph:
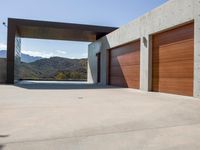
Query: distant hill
[55,68]
[25,58]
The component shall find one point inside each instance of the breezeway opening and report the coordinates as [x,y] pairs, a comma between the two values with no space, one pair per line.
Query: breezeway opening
[53,60]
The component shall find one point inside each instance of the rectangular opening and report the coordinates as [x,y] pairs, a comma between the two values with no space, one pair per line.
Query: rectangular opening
[53,60]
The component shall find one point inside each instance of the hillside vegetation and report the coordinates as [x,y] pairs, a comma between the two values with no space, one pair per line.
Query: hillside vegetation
[55,68]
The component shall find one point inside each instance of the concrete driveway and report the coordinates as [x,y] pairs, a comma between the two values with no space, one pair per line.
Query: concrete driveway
[55,117]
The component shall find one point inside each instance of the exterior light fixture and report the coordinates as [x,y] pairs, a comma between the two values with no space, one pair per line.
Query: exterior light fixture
[4,24]
[144,40]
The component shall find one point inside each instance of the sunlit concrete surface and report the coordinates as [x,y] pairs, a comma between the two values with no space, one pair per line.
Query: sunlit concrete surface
[43,116]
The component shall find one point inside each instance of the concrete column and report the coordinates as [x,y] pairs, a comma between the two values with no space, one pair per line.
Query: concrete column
[89,67]
[145,63]
[104,66]
[93,49]
[104,62]
[92,64]
[197,48]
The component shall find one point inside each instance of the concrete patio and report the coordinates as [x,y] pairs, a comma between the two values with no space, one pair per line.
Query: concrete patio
[44,116]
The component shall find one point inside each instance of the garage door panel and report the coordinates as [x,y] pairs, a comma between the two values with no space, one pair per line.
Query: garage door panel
[126,71]
[180,86]
[134,84]
[126,59]
[173,61]
[174,52]
[183,69]
[128,48]
[122,82]
[179,34]
[118,81]
[124,65]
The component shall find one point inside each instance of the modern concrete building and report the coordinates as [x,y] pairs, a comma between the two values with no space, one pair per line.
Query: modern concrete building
[21,28]
[157,52]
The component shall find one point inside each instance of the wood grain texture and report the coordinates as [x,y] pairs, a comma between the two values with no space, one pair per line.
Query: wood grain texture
[173,61]
[124,65]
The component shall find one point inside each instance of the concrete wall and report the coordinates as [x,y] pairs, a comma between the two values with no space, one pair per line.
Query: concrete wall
[171,14]
[197,48]
[92,62]
[2,70]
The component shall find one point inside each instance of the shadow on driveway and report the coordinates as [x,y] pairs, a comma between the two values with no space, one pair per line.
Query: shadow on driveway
[1,147]
[57,85]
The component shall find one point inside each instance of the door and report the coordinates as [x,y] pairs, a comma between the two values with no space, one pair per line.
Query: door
[98,67]
[124,65]
[173,61]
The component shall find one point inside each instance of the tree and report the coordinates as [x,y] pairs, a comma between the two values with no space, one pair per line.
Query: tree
[60,76]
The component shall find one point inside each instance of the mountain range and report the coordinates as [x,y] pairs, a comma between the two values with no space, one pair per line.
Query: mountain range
[24,57]
[54,68]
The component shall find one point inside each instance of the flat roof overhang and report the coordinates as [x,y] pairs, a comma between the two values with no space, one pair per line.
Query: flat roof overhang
[58,31]
[22,28]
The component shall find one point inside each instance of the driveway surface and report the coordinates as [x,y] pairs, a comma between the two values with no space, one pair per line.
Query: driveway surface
[50,116]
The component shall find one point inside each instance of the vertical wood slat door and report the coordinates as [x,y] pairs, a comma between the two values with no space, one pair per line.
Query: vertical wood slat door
[173,61]
[124,65]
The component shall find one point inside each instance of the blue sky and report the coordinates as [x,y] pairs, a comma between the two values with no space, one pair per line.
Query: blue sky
[105,12]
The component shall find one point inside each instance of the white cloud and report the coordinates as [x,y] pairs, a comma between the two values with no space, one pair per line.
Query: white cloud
[56,53]
[71,57]
[37,53]
[3,46]
[61,52]
[45,54]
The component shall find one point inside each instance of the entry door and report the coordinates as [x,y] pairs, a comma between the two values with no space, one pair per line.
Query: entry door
[124,67]
[173,61]
[98,67]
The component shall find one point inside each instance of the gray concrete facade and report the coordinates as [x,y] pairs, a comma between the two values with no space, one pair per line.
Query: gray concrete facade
[197,49]
[170,15]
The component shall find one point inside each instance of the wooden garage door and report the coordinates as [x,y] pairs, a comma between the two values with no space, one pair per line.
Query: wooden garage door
[125,65]
[173,61]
